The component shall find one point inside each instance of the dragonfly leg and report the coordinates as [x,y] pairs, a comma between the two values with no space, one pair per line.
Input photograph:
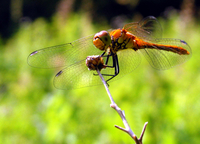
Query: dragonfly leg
[115,65]
[107,58]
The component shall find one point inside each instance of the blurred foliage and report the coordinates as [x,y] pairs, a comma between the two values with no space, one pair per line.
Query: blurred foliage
[33,111]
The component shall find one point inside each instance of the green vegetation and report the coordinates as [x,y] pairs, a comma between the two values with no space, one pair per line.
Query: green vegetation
[33,111]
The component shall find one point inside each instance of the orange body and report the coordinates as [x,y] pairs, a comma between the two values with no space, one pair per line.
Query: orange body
[122,39]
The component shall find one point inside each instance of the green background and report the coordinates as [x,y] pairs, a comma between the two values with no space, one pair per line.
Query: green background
[33,111]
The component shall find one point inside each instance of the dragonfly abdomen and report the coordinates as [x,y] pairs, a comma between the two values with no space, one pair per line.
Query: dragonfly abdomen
[173,48]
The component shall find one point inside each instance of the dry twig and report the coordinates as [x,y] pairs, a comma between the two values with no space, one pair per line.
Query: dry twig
[127,128]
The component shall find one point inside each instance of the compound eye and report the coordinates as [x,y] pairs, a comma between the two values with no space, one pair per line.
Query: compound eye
[102,40]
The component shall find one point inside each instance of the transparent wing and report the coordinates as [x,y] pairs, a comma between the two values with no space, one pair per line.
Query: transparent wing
[165,59]
[148,28]
[78,75]
[63,55]
[128,60]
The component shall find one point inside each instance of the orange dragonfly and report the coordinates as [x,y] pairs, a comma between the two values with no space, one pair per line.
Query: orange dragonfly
[121,48]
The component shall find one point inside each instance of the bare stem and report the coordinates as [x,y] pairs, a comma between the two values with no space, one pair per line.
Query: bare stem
[127,128]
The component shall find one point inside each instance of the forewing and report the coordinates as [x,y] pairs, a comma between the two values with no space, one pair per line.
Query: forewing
[162,59]
[63,55]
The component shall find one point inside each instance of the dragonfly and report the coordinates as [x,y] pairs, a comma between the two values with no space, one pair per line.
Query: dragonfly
[120,50]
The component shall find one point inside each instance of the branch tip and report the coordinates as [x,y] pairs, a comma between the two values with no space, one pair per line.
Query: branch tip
[121,128]
[143,130]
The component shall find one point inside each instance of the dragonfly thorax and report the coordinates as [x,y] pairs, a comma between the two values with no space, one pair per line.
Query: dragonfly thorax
[122,39]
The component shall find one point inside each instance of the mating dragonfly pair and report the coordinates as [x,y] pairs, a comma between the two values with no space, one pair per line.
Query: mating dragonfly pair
[120,56]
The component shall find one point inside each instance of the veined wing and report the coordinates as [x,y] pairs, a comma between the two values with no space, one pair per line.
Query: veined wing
[167,53]
[161,53]
[63,55]
[78,75]
[148,28]
[128,60]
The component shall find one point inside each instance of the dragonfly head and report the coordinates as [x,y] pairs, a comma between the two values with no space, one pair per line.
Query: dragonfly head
[102,40]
